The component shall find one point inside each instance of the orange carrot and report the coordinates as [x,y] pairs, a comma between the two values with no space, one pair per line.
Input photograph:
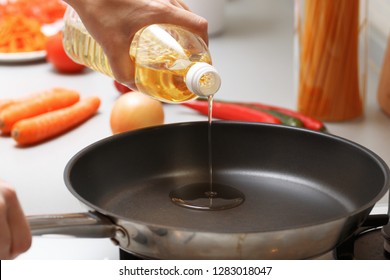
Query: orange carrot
[21,23]
[45,11]
[4,103]
[44,102]
[21,34]
[37,129]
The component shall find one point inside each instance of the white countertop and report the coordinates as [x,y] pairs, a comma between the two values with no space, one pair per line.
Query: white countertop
[255,59]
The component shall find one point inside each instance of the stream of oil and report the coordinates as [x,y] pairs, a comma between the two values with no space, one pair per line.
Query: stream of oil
[207,195]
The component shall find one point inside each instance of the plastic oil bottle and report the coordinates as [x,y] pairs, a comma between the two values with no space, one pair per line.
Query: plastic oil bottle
[171,64]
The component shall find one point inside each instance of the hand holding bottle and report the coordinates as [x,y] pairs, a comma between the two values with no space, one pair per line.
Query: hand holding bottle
[114,23]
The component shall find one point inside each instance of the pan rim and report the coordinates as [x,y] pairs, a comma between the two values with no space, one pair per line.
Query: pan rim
[365,207]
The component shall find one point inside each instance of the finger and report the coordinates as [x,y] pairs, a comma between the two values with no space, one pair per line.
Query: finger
[5,234]
[121,64]
[191,21]
[19,229]
[182,4]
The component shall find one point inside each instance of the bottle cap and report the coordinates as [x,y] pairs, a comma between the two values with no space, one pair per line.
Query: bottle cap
[203,79]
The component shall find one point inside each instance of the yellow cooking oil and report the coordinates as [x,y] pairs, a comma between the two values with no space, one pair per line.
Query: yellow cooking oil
[83,49]
[163,84]
[171,64]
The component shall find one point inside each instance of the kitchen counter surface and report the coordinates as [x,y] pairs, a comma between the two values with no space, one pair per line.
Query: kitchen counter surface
[254,56]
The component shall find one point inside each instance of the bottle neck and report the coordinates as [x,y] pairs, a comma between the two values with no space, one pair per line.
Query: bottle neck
[203,79]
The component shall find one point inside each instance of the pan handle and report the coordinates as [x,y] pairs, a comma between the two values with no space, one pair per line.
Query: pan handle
[89,224]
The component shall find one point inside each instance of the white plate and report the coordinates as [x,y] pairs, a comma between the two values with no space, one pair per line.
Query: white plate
[22,57]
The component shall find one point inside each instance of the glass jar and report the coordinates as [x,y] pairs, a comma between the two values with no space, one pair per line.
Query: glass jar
[331,58]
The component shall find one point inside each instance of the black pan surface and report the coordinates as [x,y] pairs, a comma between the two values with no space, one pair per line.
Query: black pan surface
[291,178]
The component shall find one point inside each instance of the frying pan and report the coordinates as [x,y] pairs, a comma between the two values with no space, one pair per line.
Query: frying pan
[305,191]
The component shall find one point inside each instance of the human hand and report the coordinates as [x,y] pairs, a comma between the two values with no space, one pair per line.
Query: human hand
[113,25]
[15,236]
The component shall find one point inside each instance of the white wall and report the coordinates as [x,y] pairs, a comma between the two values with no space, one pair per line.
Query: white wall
[379,29]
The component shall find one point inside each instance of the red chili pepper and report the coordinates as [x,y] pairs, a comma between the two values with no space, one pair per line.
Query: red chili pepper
[241,112]
[308,122]
[230,111]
